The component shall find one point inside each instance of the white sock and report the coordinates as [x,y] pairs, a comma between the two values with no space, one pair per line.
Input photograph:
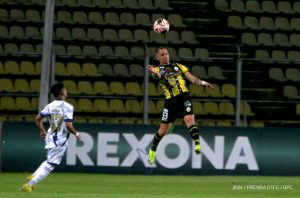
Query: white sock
[42,172]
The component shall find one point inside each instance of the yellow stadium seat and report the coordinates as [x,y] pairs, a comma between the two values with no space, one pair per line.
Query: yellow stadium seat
[226,108]
[133,88]
[256,123]
[223,123]
[90,69]
[121,70]
[298,109]
[34,103]
[73,102]
[133,106]
[101,87]
[117,106]
[198,91]
[71,86]
[85,105]
[74,69]
[6,85]
[216,92]
[117,88]
[8,103]
[152,89]
[27,67]
[85,87]
[12,67]
[246,109]
[22,85]
[211,108]
[105,69]
[228,90]
[160,105]
[60,69]
[101,105]
[35,85]
[23,103]
[198,108]
[152,107]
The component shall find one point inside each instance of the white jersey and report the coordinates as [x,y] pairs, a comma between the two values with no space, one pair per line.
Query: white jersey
[58,112]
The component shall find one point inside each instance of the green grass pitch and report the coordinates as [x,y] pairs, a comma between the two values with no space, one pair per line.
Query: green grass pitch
[75,185]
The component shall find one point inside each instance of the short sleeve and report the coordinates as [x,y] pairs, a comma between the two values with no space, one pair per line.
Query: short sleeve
[44,112]
[68,113]
[183,68]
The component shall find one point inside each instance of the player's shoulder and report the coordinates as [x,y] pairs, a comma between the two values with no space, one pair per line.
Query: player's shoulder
[181,66]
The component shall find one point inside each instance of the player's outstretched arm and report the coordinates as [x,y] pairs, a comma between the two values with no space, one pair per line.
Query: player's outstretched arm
[71,128]
[195,80]
[40,125]
[155,73]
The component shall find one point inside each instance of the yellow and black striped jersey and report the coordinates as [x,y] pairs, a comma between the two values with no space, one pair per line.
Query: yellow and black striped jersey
[172,79]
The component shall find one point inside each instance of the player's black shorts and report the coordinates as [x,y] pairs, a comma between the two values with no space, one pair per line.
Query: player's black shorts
[176,106]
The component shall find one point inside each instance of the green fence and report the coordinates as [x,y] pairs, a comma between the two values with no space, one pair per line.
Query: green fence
[123,149]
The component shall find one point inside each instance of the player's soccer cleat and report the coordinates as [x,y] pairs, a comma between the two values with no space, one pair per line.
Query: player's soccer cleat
[27,188]
[151,156]
[28,178]
[198,149]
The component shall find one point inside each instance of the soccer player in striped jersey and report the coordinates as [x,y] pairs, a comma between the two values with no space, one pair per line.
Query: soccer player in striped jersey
[172,78]
[60,117]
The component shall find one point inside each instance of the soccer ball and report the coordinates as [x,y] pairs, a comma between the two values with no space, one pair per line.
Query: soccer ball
[161,25]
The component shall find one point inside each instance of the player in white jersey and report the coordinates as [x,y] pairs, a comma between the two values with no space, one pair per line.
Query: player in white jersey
[60,117]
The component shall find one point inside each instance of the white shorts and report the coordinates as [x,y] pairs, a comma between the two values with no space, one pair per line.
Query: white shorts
[55,155]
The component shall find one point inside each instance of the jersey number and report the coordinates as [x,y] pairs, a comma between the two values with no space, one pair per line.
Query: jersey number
[56,120]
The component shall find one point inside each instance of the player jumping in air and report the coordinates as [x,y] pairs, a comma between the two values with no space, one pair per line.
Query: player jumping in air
[171,79]
[60,116]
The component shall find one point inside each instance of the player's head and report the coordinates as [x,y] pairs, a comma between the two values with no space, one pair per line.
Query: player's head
[58,89]
[162,55]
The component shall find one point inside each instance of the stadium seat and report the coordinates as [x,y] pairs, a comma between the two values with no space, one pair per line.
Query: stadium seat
[160,105]
[188,37]
[90,51]
[136,70]
[4,14]
[60,69]
[101,87]
[17,14]
[117,106]
[8,103]
[282,23]
[216,92]
[296,7]
[223,123]
[146,4]
[246,109]
[122,52]
[22,85]
[256,124]
[71,86]
[35,85]
[127,18]
[142,19]
[133,88]
[226,108]
[293,55]
[253,6]
[100,3]
[251,22]
[235,22]
[90,69]
[3,31]
[33,16]
[265,39]
[11,48]
[198,91]
[110,35]
[298,109]
[141,35]
[78,34]
[59,50]
[85,3]
[198,108]
[281,39]
[121,70]
[249,38]
[279,56]
[175,20]
[152,107]
[106,70]
[173,37]
[27,67]
[28,49]
[295,39]
[85,105]
[293,74]
[73,102]
[211,108]
[85,87]
[221,5]
[16,32]
[32,32]
[126,35]
[262,54]
[101,105]
[157,38]
[201,53]
[64,17]
[133,106]
[112,18]
[277,74]
[237,5]
[80,17]
[94,34]
[115,3]
[186,54]
[200,71]
[267,23]
[152,89]
[96,17]
[23,103]
[228,90]
[173,54]
[291,91]
[269,7]
[69,3]
[285,7]
[6,85]
[117,88]
[74,69]
[74,50]
[137,52]
[295,23]
[216,72]
[162,4]
[12,67]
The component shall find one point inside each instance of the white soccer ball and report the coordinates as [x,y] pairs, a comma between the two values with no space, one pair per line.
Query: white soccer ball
[161,25]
